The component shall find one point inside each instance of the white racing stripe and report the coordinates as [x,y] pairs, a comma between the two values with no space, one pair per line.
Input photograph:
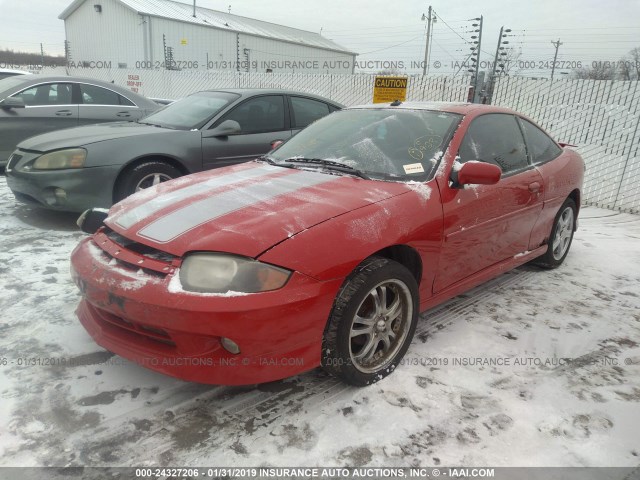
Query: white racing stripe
[195,214]
[133,216]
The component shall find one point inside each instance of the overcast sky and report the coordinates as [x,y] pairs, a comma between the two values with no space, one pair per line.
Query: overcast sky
[393,31]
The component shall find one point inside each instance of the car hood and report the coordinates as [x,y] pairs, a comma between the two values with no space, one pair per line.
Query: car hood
[245,209]
[80,136]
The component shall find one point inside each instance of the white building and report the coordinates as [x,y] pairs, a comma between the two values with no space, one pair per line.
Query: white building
[134,34]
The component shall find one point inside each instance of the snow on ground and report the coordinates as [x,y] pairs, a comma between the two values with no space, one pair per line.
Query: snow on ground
[443,406]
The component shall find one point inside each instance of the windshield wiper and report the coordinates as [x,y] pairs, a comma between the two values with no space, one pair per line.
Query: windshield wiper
[329,165]
[270,160]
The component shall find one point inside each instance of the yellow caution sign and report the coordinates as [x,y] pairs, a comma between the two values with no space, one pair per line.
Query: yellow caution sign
[183,41]
[390,89]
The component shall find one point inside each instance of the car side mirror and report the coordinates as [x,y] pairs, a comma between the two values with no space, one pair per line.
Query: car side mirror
[476,173]
[12,102]
[276,143]
[226,128]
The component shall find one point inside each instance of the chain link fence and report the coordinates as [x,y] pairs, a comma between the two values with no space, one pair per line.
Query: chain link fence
[601,118]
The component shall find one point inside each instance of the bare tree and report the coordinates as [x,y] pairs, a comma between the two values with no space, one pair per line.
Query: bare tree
[23,59]
[597,71]
[508,64]
[629,67]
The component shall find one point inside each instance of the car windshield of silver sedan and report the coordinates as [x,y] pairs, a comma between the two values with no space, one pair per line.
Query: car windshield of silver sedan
[387,144]
[190,112]
[10,82]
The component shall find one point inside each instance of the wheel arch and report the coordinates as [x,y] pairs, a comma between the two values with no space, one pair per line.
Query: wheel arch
[575,196]
[406,256]
[174,162]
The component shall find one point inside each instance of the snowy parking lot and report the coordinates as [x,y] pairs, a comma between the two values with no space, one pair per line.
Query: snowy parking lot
[535,368]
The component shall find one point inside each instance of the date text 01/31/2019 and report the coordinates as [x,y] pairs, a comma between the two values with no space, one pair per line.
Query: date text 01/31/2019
[314,472]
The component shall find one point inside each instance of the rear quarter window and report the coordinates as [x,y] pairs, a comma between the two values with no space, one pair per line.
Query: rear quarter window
[541,147]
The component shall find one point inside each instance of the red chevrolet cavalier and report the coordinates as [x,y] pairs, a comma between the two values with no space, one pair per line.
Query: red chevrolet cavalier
[325,251]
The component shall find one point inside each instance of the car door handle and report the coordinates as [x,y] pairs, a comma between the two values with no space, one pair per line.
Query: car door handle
[64,113]
[534,187]
[123,114]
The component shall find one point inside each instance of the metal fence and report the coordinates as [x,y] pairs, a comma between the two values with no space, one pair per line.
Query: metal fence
[601,117]
[345,89]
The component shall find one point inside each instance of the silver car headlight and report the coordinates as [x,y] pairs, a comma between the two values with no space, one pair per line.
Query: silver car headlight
[221,273]
[62,159]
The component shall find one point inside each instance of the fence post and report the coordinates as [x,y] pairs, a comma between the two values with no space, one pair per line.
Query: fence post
[626,162]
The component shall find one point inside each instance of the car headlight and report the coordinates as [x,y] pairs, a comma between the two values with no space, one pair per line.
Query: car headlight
[72,158]
[221,273]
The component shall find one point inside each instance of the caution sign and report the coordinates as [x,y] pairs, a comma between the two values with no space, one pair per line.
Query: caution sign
[390,89]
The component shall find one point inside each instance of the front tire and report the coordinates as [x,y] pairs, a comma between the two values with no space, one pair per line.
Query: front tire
[372,323]
[561,236]
[144,176]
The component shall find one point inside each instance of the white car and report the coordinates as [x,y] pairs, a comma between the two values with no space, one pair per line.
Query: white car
[6,72]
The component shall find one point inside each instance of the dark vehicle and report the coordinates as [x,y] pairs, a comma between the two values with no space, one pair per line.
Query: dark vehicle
[96,166]
[31,105]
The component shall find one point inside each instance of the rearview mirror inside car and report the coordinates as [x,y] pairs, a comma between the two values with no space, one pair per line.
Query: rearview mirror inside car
[226,128]
[476,173]
[12,102]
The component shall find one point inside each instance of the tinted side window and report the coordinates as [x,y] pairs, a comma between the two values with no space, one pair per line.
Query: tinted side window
[44,95]
[541,147]
[92,95]
[262,114]
[495,138]
[306,111]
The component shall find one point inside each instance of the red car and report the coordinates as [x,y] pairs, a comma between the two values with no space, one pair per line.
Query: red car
[325,251]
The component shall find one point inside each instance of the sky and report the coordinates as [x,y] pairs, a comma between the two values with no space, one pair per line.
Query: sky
[393,32]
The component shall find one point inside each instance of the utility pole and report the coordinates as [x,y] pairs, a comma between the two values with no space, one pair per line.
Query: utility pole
[495,59]
[41,57]
[477,69]
[426,48]
[555,57]
[194,8]
[501,42]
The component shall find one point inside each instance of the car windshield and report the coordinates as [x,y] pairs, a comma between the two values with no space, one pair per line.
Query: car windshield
[192,111]
[388,144]
[9,83]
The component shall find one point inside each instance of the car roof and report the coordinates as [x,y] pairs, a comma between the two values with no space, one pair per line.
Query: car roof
[17,72]
[461,108]
[248,92]
[28,80]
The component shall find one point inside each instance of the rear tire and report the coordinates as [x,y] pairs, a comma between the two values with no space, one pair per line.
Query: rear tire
[372,322]
[561,236]
[144,176]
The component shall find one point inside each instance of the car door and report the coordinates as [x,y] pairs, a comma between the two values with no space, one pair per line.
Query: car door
[263,120]
[305,111]
[487,224]
[99,105]
[48,107]
[542,152]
